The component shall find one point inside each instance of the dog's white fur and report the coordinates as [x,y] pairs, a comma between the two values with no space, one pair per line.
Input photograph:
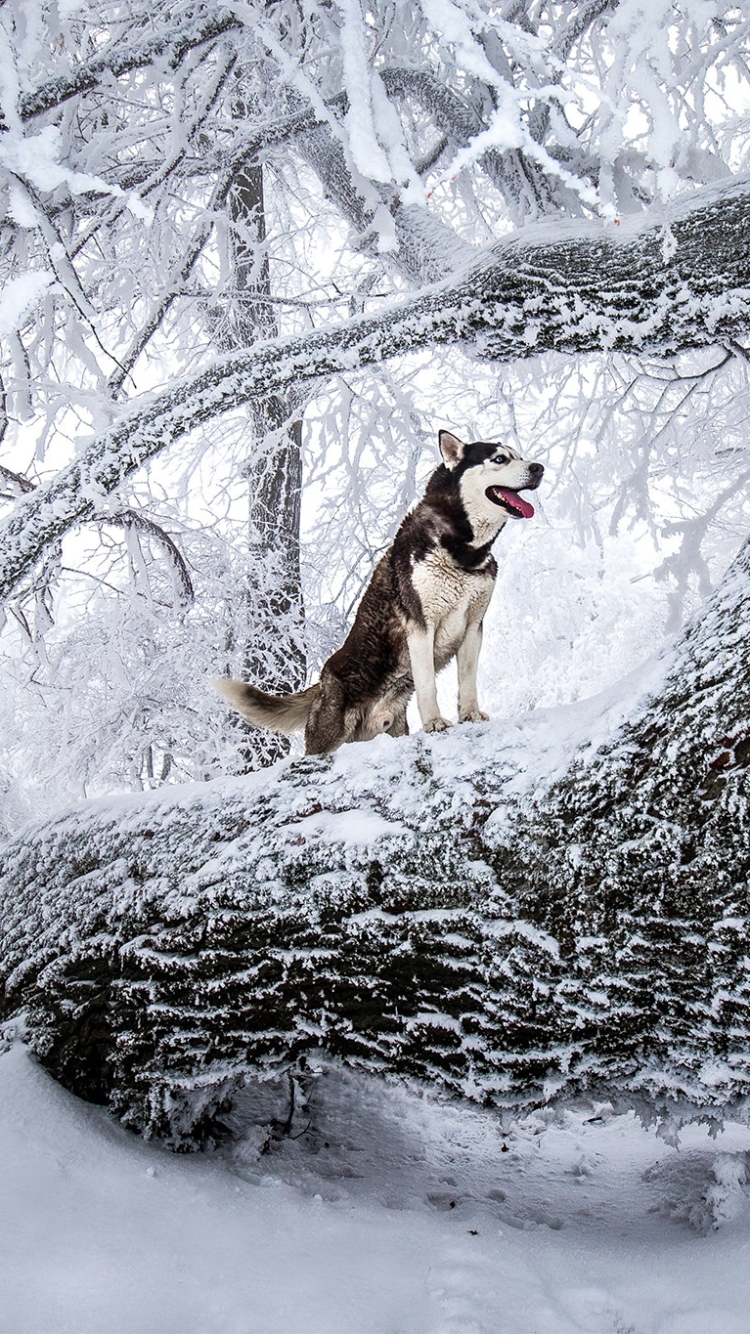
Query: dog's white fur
[453,608]
[454,605]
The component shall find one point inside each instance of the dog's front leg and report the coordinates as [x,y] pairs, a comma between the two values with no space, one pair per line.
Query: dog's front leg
[467,661]
[422,654]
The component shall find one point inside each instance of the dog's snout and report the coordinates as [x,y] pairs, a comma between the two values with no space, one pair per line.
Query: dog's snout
[536,469]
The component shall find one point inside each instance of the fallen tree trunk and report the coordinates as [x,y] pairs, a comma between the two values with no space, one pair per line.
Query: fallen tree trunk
[566,288]
[490,910]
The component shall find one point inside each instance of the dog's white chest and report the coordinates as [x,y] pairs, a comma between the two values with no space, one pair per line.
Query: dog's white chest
[451,598]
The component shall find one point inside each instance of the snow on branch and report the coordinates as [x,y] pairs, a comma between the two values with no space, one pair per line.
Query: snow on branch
[123,59]
[131,518]
[577,290]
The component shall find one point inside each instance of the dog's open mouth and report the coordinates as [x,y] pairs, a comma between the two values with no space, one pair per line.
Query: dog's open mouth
[511,501]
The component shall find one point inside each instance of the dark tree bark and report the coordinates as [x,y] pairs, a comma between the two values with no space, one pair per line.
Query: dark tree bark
[581,291]
[426,911]
[274,657]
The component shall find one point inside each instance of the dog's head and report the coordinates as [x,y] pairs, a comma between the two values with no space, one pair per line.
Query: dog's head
[490,478]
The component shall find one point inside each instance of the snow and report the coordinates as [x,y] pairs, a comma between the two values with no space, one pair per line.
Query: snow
[356,827]
[17,298]
[366,151]
[385,1210]
[35,158]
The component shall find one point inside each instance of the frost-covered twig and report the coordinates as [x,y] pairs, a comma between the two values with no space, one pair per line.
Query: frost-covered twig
[134,519]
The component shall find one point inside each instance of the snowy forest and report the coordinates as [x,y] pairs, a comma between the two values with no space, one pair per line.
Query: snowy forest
[254,256]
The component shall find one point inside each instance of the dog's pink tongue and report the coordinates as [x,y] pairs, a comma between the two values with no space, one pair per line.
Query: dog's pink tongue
[513,498]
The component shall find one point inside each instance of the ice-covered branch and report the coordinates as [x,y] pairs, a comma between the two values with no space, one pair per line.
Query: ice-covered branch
[512,172]
[174,41]
[135,519]
[578,290]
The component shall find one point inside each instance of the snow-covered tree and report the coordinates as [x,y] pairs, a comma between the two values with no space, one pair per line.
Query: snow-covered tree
[248,254]
[236,240]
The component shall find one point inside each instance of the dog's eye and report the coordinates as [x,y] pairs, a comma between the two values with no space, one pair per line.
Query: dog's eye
[500,458]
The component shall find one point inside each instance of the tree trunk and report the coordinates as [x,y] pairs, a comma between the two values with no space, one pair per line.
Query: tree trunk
[274,657]
[432,906]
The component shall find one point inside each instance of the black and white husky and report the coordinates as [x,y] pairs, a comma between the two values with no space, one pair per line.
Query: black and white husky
[424,605]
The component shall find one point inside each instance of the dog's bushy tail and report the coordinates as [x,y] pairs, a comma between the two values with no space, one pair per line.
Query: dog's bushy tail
[281,713]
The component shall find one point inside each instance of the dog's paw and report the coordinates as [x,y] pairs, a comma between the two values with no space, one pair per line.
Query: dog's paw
[437,725]
[474,716]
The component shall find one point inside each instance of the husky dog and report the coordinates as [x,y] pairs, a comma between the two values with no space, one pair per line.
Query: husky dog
[424,605]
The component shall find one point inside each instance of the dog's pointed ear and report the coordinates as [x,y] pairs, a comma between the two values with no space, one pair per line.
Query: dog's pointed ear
[451,449]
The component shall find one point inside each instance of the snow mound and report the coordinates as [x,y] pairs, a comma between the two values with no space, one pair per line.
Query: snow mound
[382,1210]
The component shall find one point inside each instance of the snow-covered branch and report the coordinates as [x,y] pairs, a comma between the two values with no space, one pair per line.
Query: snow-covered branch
[511,171]
[173,43]
[643,290]
[135,519]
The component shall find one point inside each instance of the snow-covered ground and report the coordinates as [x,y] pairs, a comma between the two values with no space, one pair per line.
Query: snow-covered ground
[383,1210]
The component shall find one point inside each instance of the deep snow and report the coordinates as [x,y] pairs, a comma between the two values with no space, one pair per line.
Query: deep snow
[386,1210]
